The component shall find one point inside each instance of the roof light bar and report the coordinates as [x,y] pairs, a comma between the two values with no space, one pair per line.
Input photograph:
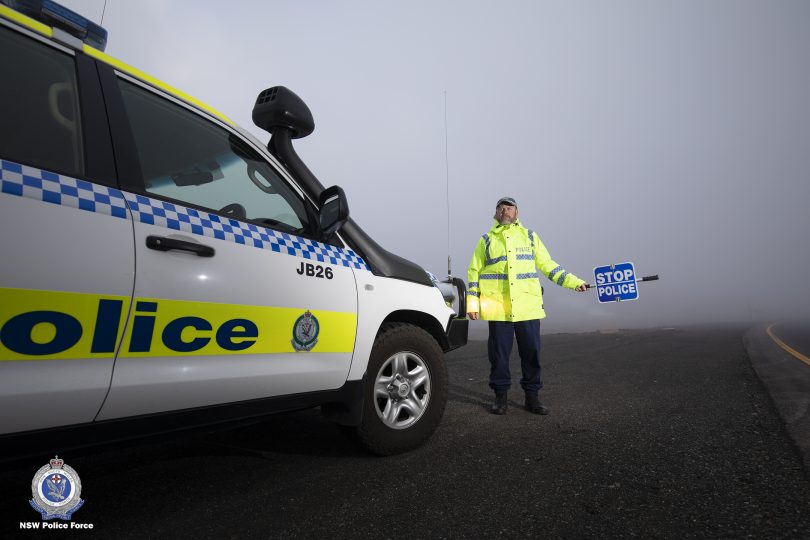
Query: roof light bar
[57,15]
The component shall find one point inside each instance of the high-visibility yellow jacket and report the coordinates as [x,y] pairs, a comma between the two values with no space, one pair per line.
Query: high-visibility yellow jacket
[503,281]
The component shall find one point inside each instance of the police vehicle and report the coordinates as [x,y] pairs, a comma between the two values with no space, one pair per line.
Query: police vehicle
[161,268]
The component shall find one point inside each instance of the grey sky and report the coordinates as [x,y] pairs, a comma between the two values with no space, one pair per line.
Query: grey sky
[672,134]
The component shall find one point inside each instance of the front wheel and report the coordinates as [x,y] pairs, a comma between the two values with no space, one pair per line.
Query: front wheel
[405,390]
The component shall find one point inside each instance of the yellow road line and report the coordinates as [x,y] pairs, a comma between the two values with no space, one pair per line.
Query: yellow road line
[787,348]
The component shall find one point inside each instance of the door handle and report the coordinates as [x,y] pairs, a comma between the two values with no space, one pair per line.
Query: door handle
[161,243]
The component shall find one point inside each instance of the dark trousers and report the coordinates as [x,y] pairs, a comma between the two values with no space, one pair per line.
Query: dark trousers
[500,347]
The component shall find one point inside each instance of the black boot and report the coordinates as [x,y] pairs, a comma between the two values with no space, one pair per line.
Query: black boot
[534,406]
[499,407]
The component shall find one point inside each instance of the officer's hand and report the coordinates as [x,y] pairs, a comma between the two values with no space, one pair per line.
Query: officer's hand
[472,315]
[582,288]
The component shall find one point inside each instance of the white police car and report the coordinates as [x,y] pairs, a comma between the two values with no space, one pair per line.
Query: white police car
[162,269]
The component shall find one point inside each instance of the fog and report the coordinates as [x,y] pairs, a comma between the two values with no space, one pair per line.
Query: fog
[673,134]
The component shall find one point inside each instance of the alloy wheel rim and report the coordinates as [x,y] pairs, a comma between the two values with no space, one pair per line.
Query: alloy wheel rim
[402,390]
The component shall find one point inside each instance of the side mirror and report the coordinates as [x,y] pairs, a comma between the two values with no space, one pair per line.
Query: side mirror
[334,210]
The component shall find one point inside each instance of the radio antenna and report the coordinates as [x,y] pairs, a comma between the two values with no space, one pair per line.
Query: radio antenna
[447,183]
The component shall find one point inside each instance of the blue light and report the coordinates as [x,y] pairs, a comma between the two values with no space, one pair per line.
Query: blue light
[57,15]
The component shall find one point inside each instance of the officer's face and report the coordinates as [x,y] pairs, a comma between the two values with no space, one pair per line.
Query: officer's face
[506,214]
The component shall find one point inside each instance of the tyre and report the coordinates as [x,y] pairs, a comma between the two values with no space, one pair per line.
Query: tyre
[405,390]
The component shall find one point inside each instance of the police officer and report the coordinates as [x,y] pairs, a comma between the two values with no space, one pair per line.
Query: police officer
[504,289]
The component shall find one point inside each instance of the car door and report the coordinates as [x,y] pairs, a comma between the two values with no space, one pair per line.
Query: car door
[67,263]
[235,296]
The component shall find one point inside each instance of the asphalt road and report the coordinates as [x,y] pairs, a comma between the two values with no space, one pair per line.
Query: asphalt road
[795,335]
[652,434]
[780,354]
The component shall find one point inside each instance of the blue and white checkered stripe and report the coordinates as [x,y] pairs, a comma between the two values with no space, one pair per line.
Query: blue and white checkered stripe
[181,218]
[490,261]
[33,183]
[561,278]
[30,182]
[531,239]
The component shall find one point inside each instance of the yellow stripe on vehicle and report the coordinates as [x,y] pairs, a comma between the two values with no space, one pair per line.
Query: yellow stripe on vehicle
[46,30]
[26,21]
[49,325]
[44,325]
[138,74]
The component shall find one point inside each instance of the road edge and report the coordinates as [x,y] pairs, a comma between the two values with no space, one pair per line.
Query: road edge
[787,381]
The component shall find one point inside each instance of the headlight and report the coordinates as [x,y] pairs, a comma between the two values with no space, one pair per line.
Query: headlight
[452,289]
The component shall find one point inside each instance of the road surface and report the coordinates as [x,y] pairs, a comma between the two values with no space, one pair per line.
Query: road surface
[665,433]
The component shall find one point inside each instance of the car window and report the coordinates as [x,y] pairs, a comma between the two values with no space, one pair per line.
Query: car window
[39,105]
[187,158]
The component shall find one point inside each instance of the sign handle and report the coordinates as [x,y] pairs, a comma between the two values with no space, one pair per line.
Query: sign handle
[645,278]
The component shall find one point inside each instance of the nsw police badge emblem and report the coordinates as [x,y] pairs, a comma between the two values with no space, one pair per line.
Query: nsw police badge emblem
[305,332]
[56,489]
